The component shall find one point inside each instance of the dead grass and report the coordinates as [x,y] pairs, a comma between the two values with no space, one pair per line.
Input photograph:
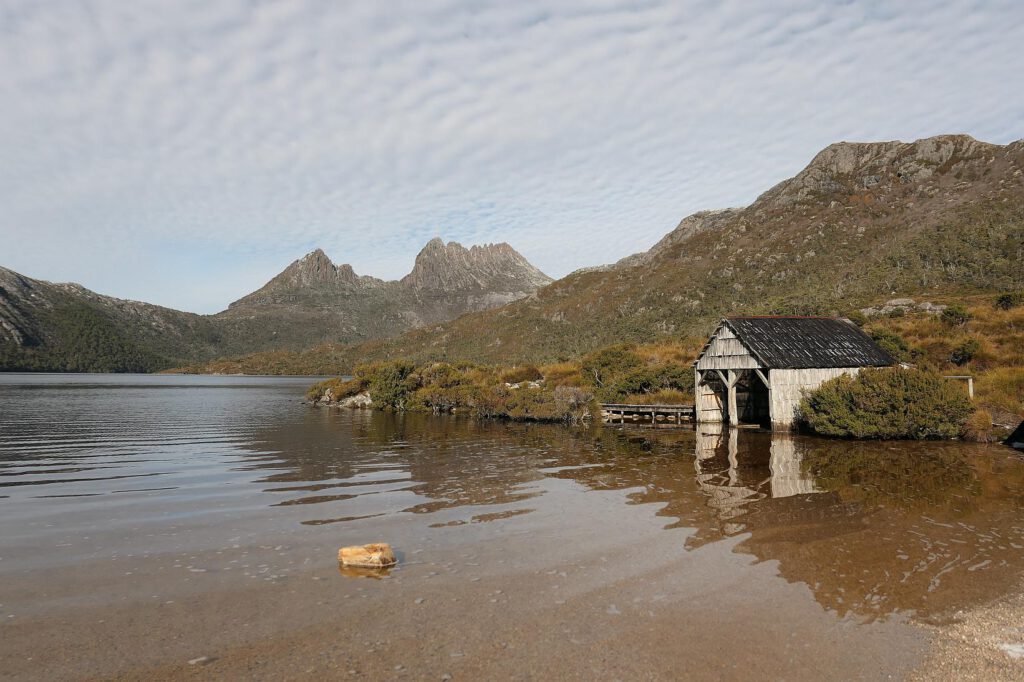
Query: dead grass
[997,365]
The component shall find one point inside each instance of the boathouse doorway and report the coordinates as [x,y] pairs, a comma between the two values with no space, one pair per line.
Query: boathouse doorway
[753,405]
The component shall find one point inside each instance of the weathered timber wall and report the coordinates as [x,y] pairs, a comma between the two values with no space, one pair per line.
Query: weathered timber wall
[788,386]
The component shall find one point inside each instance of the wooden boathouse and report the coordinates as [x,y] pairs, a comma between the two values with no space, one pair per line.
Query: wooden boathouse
[754,370]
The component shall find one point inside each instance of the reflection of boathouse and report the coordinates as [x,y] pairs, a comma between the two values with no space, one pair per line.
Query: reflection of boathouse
[755,369]
[732,484]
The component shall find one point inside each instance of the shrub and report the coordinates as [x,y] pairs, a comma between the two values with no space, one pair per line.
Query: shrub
[439,399]
[518,375]
[978,427]
[1010,300]
[893,344]
[965,352]
[955,316]
[442,375]
[390,383]
[858,318]
[649,379]
[339,389]
[573,404]
[602,365]
[664,396]
[562,373]
[887,403]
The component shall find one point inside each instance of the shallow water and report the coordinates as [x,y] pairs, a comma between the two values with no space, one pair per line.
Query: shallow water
[146,521]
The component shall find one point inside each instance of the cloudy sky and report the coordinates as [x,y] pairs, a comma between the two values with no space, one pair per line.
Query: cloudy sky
[184,152]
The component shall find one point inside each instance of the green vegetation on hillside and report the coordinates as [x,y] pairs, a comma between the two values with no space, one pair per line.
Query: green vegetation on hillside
[89,342]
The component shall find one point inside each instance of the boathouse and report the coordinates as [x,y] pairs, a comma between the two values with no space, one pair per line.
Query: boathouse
[754,370]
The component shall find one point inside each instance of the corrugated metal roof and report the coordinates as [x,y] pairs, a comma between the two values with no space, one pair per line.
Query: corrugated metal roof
[806,342]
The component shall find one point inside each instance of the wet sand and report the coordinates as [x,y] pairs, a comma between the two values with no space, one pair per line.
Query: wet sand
[614,603]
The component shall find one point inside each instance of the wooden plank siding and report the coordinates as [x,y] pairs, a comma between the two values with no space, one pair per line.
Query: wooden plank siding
[787,387]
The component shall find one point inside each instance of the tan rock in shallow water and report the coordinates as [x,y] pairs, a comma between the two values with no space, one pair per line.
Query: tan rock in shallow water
[377,555]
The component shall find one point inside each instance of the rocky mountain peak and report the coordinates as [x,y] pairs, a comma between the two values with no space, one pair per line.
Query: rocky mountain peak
[314,268]
[452,266]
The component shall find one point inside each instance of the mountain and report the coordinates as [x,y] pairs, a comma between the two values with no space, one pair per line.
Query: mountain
[67,327]
[862,222]
[313,300]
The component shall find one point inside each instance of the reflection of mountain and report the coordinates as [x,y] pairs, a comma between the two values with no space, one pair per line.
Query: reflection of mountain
[871,528]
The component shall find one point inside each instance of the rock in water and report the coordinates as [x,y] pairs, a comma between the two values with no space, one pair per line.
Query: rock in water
[377,555]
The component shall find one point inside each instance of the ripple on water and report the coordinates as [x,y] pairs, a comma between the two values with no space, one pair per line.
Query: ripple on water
[871,529]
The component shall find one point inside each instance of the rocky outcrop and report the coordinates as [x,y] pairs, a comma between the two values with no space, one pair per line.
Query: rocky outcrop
[850,168]
[376,555]
[902,306]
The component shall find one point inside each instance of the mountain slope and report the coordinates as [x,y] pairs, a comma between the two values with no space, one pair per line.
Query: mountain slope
[66,327]
[58,327]
[861,221]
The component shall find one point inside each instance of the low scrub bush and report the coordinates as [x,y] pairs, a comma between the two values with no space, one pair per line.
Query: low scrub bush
[604,365]
[518,375]
[978,427]
[1010,300]
[334,390]
[563,374]
[390,383]
[887,403]
[955,316]
[665,396]
[965,352]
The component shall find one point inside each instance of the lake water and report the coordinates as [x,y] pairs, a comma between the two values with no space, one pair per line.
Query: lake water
[164,526]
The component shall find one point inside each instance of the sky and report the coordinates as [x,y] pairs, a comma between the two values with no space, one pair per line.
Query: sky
[183,152]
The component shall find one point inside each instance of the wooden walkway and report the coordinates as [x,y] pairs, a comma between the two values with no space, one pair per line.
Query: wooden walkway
[618,413]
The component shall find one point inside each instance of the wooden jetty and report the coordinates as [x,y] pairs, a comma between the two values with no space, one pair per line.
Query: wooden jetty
[618,413]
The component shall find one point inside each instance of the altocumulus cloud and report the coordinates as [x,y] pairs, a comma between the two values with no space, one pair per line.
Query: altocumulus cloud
[183,152]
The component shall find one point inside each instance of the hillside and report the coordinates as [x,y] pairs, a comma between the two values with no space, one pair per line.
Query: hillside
[65,327]
[863,222]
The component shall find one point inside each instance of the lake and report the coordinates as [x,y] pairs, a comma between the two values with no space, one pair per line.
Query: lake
[166,526]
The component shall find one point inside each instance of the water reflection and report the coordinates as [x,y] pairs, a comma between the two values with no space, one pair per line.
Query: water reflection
[871,528]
